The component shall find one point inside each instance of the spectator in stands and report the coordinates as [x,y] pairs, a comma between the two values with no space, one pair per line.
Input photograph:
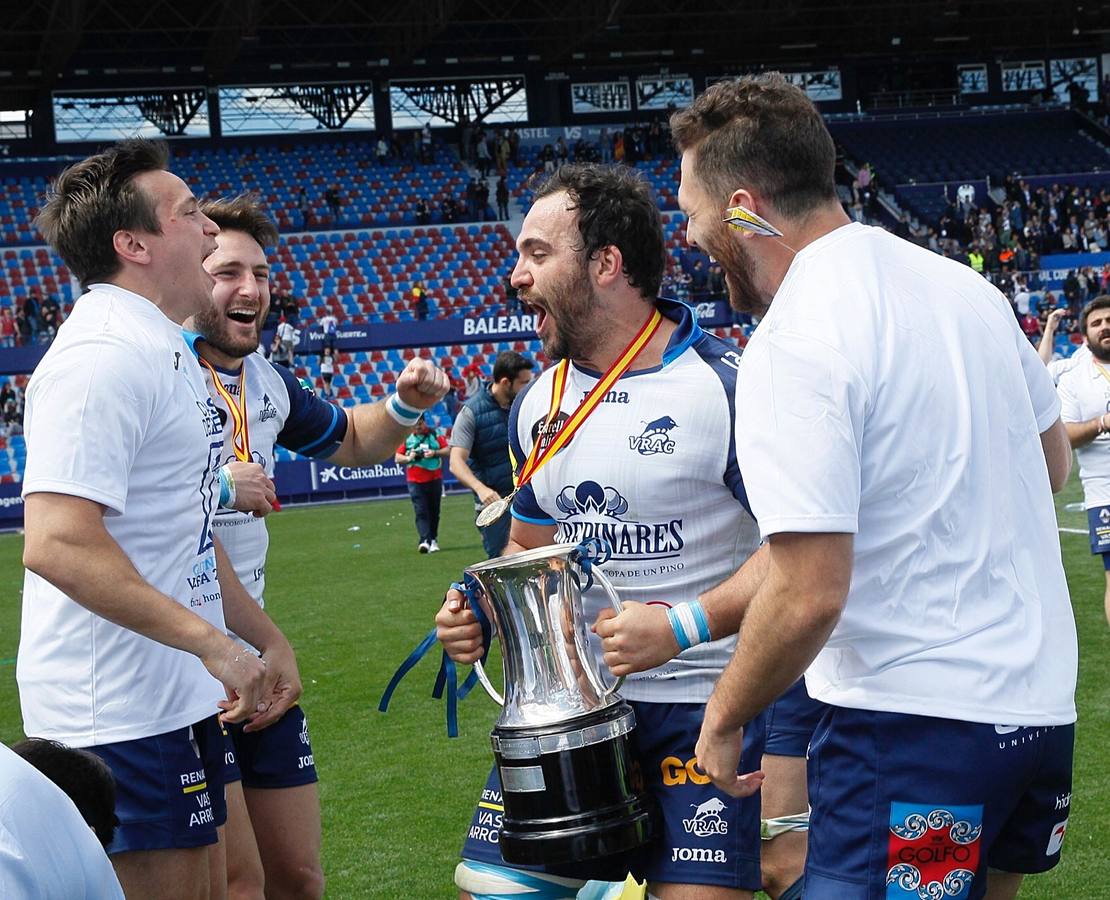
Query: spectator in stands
[547,157]
[381,150]
[481,153]
[423,214]
[504,151]
[290,309]
[472,384]
[473,195]
[335,204]
[287,336]
[502,199]
[24,332]
[8,393]
[422,456]
[514,146]
[329,326]
[480,442]
[327,373]
[31,310]
[426,143]
[420,301]
[8,331]
[561,152]
[450,209]
[51,318]
[605,144]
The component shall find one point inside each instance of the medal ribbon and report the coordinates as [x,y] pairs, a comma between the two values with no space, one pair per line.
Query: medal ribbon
[536,459]
[240,435]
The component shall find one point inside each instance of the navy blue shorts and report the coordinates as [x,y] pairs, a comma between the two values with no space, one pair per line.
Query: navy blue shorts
[707,836]
[276,757]
[1098,525]
[910,806]
[791,721]
[169,788]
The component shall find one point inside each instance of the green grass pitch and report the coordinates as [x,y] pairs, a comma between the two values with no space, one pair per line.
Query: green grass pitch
[397,794]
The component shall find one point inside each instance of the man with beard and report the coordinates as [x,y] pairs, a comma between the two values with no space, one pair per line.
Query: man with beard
[901,441]
[480,446]
[273,827]
[653,468]
[1085,403]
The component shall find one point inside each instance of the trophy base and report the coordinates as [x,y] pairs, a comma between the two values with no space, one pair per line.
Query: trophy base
[571,792]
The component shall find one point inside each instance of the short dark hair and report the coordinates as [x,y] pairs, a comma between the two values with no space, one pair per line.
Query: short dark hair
[615,208]
[762,132]
[1102,301]
[93,199]
[509,364]
[83,776]
[243,213]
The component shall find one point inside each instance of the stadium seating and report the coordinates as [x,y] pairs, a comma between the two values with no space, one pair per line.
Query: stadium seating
[907,153]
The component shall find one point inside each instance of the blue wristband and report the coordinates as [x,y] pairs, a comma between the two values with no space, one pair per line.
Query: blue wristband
[679,631]
[401,413]
[225,488]
[689,624]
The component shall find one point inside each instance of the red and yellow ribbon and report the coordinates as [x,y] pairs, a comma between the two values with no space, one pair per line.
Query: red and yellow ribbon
[240,435]
[537,458]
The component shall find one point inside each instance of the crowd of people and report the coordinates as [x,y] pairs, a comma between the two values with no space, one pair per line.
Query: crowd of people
[34,321]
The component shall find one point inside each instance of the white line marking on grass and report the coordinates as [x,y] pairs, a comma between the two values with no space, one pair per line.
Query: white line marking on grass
[1072,530]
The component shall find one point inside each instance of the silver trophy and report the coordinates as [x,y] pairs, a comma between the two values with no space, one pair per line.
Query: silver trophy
[570,785]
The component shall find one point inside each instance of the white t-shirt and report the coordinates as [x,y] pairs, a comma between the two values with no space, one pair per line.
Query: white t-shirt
[1058,367]
[652,472]
[117,413]
[889,393]
[47,851]
[1085,395]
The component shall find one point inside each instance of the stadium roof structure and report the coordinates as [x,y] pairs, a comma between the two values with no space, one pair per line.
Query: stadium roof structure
[45,44]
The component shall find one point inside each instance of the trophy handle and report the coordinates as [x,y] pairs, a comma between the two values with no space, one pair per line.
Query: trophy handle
[615,602]
[485,682]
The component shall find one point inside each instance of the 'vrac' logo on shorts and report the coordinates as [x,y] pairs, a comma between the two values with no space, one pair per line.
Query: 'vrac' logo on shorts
[707,819]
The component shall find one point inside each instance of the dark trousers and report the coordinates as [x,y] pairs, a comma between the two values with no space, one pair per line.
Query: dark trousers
[426,498]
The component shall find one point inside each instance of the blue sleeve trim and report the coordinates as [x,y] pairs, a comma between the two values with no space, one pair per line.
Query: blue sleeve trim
[716,353]
[532,521]
[314,427]
[527,509]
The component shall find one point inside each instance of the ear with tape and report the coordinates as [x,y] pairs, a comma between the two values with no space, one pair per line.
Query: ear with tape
[743,219]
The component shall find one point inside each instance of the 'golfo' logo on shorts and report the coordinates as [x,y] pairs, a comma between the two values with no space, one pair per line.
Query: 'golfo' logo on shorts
[932,851]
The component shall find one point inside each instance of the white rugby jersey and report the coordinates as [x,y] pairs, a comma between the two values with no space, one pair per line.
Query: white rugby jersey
[118,413]
[652,471]
[1085,395]
[280,410]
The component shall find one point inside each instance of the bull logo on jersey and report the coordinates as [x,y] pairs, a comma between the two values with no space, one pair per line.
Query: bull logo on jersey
[656,437]
[707,820]
[1104,516]
[304,732]
[268,411]
[933,851]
